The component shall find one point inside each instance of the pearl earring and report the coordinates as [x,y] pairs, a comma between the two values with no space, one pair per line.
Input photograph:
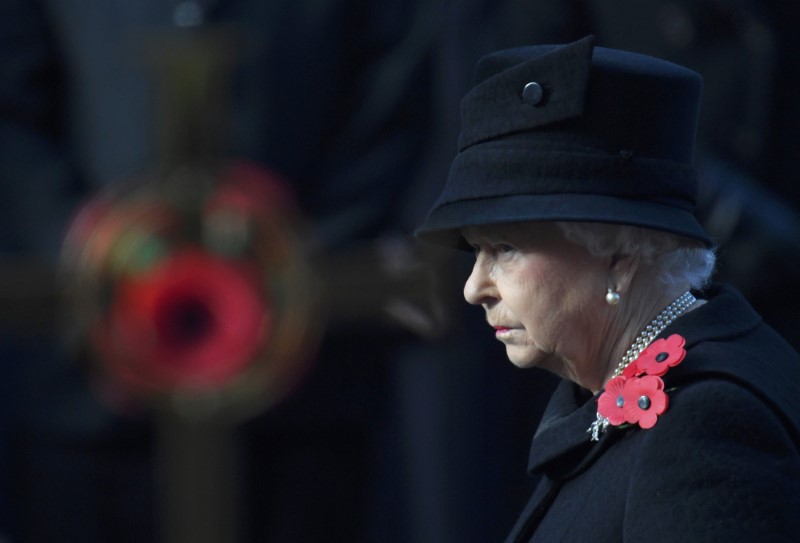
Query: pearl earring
[612,297]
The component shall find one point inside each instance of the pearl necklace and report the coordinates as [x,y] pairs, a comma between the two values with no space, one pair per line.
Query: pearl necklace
[645,338]
[656,326]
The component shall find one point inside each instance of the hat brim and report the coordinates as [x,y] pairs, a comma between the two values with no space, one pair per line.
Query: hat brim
[443,225]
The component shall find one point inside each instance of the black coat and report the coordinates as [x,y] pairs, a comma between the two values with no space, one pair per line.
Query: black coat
[721,464]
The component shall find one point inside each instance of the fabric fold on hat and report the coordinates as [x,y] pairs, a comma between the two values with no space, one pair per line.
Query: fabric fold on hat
[493,109]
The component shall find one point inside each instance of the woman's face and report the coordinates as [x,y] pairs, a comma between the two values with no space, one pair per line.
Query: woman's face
[543,295]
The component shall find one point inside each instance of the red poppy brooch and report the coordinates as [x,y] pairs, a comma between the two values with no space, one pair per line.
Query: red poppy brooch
[636,395]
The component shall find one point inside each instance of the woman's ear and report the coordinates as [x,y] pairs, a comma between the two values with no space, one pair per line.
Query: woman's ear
[621,271]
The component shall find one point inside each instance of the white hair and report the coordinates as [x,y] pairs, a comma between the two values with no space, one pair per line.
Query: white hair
[676,259]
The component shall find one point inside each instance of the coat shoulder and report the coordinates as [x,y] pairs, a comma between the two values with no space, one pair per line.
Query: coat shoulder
[719,461]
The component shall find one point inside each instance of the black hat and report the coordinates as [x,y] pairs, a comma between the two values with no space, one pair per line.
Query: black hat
[573,133]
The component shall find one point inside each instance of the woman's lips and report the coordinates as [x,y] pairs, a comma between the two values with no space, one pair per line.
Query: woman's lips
[498,330]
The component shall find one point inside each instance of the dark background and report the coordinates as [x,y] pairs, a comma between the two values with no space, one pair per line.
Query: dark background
[395,435]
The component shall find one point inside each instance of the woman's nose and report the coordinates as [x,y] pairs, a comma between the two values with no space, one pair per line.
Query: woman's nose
[479,287]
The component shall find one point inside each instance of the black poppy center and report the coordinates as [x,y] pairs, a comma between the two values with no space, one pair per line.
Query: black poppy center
[185,322]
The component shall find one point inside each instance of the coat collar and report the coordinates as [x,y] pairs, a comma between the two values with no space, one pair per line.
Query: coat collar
[562,434]
[770,368]
[727,314]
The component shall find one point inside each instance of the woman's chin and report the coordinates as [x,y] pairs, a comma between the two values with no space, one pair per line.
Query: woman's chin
[520,358]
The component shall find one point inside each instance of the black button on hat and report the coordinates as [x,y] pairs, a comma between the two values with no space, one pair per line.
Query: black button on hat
[532,93]
[561,160]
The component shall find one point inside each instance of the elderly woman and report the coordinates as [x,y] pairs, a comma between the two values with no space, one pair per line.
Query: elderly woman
[679,415]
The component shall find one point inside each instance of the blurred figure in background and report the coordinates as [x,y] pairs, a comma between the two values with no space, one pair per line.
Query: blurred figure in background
[329,94]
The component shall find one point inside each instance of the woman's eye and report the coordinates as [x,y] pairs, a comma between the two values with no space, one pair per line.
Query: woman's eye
[503,248]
